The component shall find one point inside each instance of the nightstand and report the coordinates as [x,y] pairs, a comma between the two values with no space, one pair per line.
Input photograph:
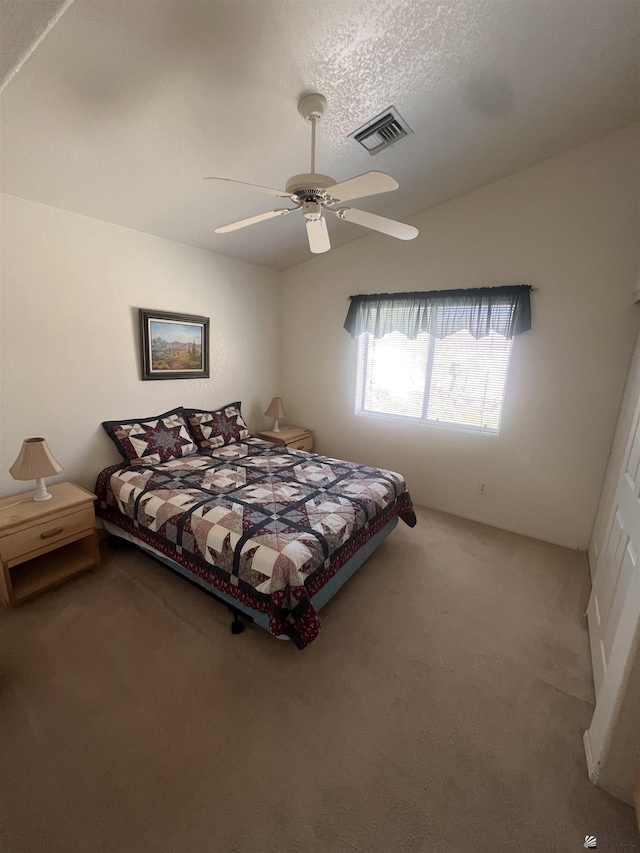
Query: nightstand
[42,543]
[297,438]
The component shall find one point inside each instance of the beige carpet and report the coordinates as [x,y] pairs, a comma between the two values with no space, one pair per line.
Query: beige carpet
[440,709]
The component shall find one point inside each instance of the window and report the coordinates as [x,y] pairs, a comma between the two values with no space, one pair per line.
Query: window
[437,356]
[458,380]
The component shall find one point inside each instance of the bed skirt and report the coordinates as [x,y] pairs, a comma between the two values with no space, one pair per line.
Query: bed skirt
[318,600]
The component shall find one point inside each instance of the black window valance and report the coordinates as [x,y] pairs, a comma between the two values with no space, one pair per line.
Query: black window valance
[480,310]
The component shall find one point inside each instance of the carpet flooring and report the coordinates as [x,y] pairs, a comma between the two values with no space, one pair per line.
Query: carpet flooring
[441,709]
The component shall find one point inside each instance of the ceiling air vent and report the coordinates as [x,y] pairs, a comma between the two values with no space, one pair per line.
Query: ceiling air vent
[385,129]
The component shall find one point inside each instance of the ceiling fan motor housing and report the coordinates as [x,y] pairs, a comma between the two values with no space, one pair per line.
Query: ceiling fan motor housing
[309,186]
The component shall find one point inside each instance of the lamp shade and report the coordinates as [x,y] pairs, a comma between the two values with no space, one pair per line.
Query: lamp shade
[34,461]
[276,409]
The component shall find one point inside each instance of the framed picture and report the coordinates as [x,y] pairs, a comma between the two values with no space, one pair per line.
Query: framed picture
[174,346]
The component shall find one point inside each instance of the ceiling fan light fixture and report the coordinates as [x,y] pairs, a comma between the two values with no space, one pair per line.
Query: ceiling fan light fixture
[312,210]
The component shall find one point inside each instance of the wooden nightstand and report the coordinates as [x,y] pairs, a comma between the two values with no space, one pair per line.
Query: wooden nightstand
[42,543]
[297,438]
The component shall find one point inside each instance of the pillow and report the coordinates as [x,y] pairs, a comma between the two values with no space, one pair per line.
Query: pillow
[149,441]
[217,428]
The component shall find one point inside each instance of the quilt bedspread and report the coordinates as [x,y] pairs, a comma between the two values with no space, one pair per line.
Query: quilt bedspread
[265,524]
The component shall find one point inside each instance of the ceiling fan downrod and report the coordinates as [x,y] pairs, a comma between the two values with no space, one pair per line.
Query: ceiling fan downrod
[314,121]
[312,107]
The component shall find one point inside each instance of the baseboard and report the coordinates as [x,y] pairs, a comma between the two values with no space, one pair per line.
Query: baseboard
[498,526]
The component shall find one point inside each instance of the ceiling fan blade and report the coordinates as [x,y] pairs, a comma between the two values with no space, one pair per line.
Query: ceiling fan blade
[378,223]
[318,235]
[242,223]
[268,190]
[371,183]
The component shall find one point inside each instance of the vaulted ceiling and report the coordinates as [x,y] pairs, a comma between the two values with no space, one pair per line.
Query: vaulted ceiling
[124,106]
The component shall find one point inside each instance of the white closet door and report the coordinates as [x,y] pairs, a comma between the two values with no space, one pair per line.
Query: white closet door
[618,558]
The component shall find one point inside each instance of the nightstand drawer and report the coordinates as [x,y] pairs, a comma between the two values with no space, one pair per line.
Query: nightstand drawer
[40,536]
[302,444]
[297,438]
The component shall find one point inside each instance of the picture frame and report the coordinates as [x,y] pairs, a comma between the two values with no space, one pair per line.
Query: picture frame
[174,346]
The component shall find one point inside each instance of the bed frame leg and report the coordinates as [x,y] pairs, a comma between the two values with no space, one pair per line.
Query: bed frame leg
[236,626]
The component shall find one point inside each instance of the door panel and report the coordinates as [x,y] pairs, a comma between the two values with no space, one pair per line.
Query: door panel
[629,564]
[615,546]
[617,560]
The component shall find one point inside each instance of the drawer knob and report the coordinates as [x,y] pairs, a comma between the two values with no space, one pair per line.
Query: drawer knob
[51,533]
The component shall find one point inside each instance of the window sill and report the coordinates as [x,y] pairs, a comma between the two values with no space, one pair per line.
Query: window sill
[441,424]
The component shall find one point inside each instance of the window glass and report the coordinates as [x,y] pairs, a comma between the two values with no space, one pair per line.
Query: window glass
[458,380]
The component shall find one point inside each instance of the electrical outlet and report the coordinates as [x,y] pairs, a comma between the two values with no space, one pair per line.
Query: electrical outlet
[482,488]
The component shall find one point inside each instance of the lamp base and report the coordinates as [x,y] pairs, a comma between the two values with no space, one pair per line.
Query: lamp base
[41,491]
[276,426]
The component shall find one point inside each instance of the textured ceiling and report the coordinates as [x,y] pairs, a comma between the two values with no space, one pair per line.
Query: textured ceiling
[22,24]
[125,106]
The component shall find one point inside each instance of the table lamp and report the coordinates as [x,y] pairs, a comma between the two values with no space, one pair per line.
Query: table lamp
[276,410]
[35,462]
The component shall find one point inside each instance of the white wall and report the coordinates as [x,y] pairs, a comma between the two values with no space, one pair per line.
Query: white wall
[69,346]
[568,226]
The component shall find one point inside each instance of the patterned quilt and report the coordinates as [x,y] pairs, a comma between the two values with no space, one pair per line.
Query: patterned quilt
[264,524]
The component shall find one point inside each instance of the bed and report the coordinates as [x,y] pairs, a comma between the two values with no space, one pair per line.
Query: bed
[272,531]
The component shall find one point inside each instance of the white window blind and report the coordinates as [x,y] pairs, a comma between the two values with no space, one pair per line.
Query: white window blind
[456,381]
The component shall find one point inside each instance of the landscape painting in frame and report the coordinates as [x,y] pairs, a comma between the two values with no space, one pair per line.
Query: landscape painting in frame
[174,346]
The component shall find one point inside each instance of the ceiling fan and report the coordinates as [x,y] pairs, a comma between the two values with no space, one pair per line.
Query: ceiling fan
[315,194]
